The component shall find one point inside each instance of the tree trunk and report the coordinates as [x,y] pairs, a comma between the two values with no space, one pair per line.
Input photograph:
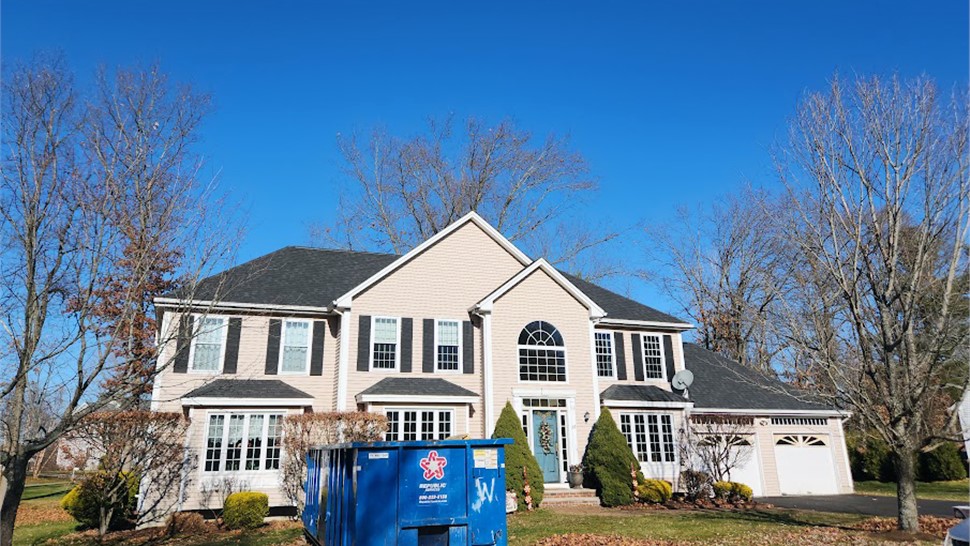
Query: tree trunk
[908,517]
[15,474]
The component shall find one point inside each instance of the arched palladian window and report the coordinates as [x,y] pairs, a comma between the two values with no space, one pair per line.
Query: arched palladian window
[542,353]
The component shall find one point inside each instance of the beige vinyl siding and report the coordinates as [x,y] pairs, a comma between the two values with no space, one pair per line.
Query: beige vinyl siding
[539,297]
[171,386]
[443,282]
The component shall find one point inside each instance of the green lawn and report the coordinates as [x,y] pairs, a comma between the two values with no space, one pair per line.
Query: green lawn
[41,491]
[958,490]
[527,528]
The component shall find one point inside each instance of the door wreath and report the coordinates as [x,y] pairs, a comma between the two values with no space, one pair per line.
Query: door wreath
[545,437]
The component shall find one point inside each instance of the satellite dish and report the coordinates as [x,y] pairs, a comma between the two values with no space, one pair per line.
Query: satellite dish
[682,380]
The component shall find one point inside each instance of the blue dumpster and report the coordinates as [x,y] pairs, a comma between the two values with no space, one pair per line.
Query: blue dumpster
[436,493]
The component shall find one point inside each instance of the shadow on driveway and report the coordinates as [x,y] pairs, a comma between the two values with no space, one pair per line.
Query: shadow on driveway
[860,504]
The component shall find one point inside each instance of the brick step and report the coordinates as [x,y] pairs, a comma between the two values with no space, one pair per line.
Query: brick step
[569,493]
[570,501]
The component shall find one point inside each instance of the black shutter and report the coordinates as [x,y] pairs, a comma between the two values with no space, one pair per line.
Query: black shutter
[183,341]
[273,346]
[316,347]
[468,347]
[427,346]
[232,345]
[363,344]
[407,333]
[669,356]
[637,357]
[620,355]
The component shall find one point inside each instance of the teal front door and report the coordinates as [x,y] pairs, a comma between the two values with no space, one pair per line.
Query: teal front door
[546,444]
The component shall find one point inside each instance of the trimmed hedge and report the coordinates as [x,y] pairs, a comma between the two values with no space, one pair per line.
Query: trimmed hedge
[943,464]
[869,458]
[85,500]
[608,461]
[655,491]
[518,456]
[245,510]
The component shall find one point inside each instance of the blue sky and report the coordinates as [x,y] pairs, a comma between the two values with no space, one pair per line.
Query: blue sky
[672,103]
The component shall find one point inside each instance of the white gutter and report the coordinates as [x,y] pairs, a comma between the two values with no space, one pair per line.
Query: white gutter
[607,321]
[175,303]
[751,411]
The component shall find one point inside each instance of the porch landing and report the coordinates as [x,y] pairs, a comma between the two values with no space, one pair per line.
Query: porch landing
[560,495]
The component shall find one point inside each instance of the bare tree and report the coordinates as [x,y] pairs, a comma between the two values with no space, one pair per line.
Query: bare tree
[724,267]
[135,446]
[716,444]
[101,208]
[877,176]
[404,190]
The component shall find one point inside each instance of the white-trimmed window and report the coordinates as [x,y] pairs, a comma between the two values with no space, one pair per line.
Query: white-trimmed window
[385,340]
[605,357]
[653,356]
[650,435]
[447,345]
[542,353]
[405,425]
[295,347]
[243,442]
[208,343]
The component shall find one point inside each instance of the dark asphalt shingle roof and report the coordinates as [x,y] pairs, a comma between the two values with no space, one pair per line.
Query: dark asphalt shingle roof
[640,393]
[617,306]
[314,277]
[416,386]
[722,383]
[293,275]
[247,388]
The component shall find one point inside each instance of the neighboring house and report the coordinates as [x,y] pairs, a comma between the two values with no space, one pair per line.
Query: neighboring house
[438,340]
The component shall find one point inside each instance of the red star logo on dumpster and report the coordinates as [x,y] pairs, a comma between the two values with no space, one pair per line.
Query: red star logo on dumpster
[434,466]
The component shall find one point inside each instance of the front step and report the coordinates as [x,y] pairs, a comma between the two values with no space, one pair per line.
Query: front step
[562,496]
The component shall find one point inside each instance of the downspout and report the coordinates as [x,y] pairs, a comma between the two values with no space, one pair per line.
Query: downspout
[344,360]
[487,370]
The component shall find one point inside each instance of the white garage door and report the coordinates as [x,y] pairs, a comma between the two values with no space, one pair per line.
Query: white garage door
[748,469]
[805,465]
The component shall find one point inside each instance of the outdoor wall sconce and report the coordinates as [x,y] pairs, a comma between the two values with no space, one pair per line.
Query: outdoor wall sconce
[586,417]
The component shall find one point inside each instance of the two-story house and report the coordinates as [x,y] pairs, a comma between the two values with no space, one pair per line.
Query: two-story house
[438,340]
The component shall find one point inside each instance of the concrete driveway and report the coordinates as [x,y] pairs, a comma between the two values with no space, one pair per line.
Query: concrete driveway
[860,504]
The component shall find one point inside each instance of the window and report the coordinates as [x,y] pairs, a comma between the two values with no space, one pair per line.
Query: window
[650,435]
[243,441]
[384,343]
[448,345]
[542,356]
[604,354]
[295,356]
[653,357]
[407,425]
[208,344]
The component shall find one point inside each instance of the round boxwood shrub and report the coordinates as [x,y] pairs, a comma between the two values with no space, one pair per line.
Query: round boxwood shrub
[245,510]
[85,501]
[942,464]
[655,491]
[518,456]
[608,462]
[732,491]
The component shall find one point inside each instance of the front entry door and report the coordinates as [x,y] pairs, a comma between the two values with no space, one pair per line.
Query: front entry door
[546,444]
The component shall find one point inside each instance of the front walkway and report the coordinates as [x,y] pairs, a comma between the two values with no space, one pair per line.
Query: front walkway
[860,504]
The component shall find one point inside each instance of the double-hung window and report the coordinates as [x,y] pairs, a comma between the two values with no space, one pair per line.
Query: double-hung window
[243,442]
[295,353]
[447,345]
[418,424]
[604,354]
[650,435]
[208,343]
[653,357]
[384,343]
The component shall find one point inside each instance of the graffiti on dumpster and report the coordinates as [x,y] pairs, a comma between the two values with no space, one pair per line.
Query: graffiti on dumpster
[485,493]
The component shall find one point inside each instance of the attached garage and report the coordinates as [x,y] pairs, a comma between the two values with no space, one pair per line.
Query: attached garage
[805,465]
